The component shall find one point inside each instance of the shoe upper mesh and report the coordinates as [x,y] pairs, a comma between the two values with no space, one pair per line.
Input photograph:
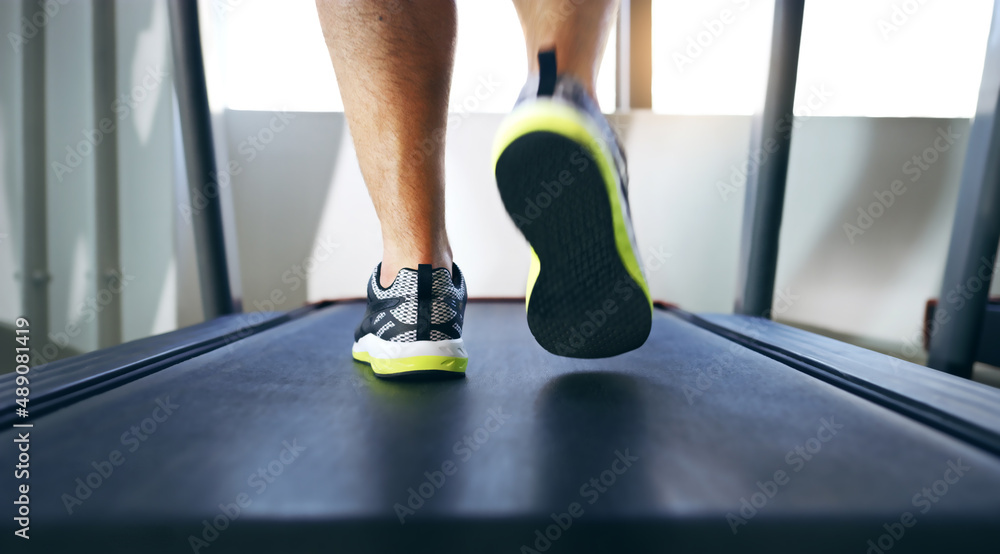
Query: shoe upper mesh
[406,312]
[398,324]
[384,328]
[404,285]
[408,336]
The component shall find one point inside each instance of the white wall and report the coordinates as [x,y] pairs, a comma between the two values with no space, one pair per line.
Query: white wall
[303,195]
[875,284]
[279,193]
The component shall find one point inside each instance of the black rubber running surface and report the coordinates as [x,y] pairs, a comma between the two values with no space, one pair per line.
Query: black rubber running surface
[706,419]
[88,365]
[584,303]
[57,383]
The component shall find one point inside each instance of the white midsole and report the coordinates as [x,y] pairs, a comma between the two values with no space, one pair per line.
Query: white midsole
[384,349]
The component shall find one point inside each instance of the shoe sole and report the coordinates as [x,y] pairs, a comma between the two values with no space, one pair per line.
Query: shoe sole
[586,294]
[414,359]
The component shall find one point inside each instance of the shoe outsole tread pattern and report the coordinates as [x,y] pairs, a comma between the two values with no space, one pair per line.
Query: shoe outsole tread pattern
[584,302]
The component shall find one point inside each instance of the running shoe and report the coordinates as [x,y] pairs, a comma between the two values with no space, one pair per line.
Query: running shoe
[414,326]
[562,176]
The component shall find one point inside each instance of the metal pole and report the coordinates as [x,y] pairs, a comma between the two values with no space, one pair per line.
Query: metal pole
[765,189]
[199,151]
[975,231]
[109,319]
[623,57]
[35,269]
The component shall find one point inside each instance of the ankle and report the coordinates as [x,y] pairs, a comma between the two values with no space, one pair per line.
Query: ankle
[391,264]
[583,71]
[586,81]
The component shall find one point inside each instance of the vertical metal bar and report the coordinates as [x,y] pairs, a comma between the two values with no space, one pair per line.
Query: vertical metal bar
[35,273]
[640,54]
[109,319]
[623,57]
[975,231]
[199,152]
[765,189]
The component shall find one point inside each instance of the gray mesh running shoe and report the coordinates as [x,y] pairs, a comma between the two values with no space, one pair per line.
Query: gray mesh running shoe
[562,178]
[414,326]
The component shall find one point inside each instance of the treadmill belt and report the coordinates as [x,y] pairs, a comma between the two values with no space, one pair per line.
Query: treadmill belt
[693,443]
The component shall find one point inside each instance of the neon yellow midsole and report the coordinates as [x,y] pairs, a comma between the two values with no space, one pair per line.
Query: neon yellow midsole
[390,366]
[556,117]
[533,270]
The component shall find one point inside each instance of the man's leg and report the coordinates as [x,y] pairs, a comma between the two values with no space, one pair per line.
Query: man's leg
[393,63]
[577,29]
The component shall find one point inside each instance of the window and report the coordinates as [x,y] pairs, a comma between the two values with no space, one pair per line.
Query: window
[272,56]
[884,58]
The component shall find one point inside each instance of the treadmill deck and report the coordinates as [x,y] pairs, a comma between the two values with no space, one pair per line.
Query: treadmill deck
[691,443]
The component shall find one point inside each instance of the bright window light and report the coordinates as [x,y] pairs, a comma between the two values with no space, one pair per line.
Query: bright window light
[710,57]
[273,57]
[490,44]
[875,58]
[895,58]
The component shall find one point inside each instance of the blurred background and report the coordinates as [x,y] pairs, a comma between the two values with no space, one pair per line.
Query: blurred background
[877,86]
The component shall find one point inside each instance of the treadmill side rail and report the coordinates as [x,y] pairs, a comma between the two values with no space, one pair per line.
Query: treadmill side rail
[962,408]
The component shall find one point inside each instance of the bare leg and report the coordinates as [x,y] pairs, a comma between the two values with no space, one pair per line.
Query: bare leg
[577,29]
[393,62]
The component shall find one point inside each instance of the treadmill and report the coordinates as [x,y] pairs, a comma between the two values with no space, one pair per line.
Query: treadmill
[257,432]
